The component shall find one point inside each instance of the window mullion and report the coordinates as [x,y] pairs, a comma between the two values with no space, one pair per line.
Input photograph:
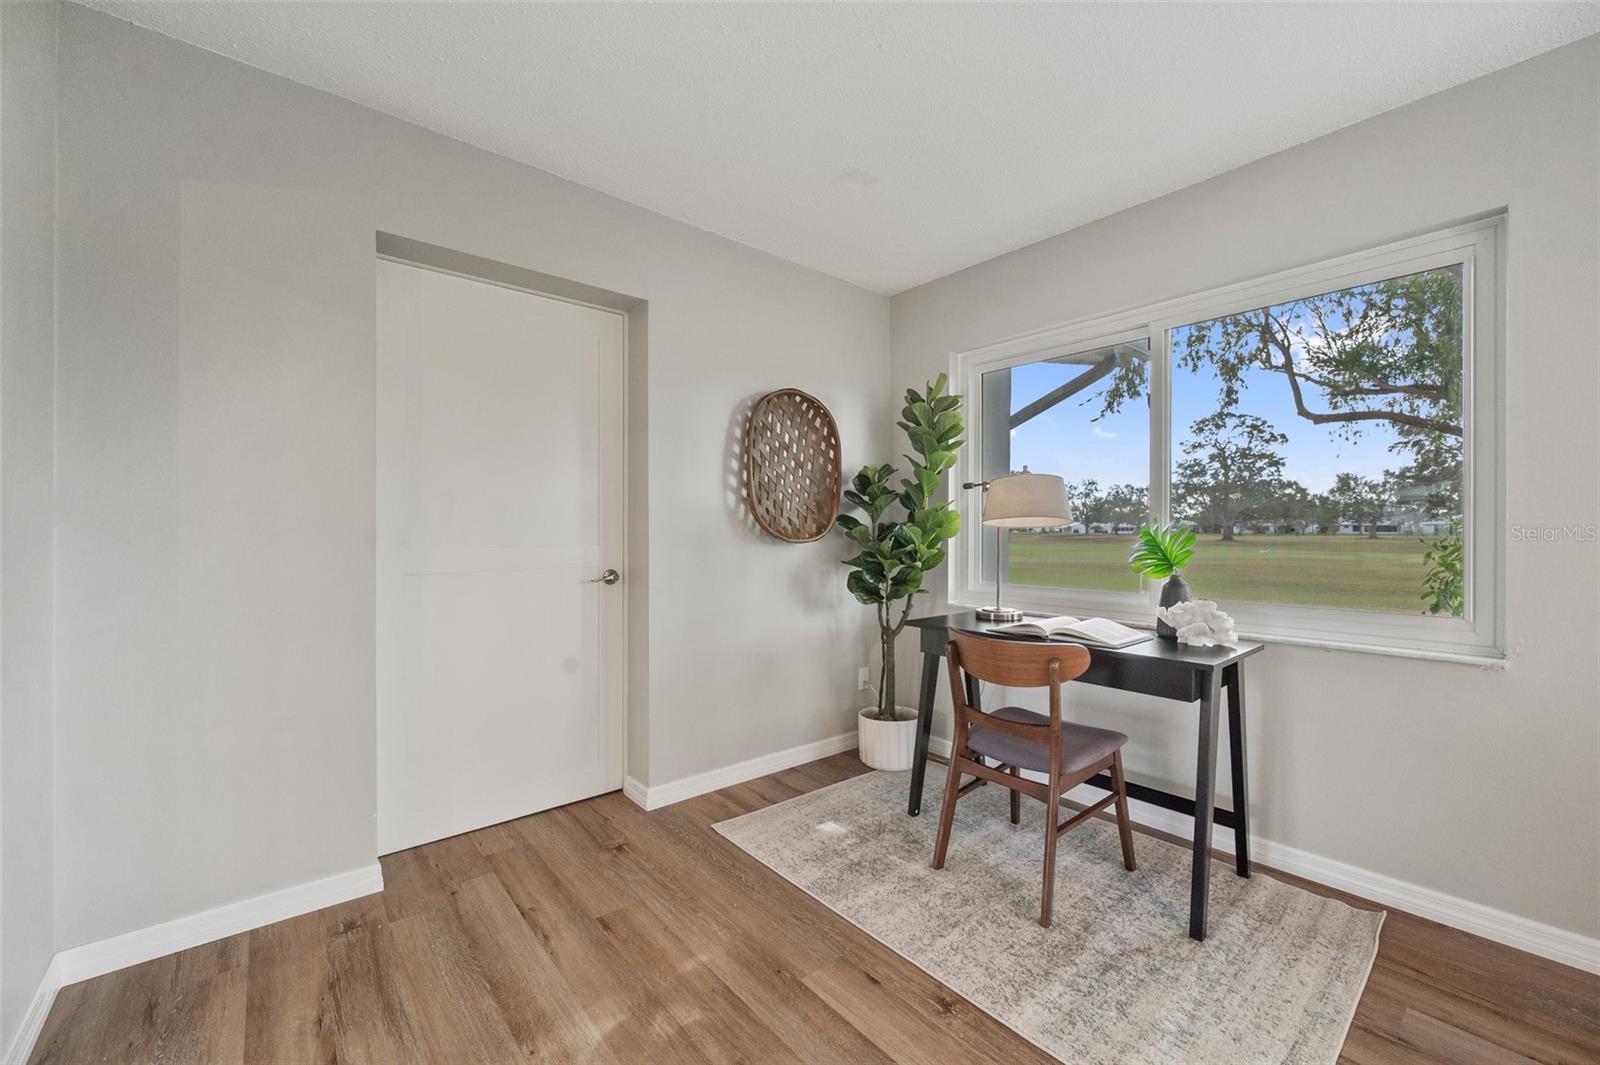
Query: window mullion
[1160,432]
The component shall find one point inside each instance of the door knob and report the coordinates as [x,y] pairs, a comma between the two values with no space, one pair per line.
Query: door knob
[610,576]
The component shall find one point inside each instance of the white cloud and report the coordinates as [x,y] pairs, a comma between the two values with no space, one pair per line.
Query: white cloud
[1102,434]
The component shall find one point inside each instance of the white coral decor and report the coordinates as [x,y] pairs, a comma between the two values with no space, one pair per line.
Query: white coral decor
[1199,623]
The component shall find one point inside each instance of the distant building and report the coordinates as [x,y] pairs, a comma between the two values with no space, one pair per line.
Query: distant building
[1398,522]
[1357,528]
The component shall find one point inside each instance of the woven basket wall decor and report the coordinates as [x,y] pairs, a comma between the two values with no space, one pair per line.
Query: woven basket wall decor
[791,466]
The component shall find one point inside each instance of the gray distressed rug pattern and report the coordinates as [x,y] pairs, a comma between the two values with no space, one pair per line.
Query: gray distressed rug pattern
[1116,979]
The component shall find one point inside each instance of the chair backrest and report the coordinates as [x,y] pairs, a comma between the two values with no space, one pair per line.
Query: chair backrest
[1018,663]
[1014,664]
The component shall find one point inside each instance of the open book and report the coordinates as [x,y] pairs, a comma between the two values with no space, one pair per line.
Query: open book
[1097,632]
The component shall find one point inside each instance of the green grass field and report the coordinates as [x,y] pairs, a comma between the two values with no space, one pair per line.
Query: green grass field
[1353,572]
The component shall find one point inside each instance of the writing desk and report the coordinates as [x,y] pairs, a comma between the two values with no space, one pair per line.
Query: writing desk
[1155,667]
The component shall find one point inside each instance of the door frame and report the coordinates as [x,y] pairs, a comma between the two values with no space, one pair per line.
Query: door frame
[405,252]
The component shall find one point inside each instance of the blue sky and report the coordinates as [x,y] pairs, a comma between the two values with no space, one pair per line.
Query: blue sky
[1065,440]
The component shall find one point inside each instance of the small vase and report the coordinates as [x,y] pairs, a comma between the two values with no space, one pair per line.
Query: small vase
[1175,591]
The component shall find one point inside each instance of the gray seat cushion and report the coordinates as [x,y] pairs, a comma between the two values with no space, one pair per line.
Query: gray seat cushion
[1081,745]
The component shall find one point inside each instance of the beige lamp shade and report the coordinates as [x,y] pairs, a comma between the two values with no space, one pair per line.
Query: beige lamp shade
[1026,501]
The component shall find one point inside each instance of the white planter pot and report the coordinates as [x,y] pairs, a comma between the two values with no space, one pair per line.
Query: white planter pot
[887,745]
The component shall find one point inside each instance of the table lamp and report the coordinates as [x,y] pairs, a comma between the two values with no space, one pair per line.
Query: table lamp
[1020,501]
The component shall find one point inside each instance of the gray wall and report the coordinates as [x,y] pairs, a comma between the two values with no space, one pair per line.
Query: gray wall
[1484,785]
[27,369]
[214,555]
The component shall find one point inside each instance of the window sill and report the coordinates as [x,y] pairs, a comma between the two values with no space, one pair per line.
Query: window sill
[1426,654]
[1141,620]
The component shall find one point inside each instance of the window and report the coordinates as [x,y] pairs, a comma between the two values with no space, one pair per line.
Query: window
[1086,416]
[1331,433]
[1318,446]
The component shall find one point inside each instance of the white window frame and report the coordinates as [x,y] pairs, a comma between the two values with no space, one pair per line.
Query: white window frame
[1479,247]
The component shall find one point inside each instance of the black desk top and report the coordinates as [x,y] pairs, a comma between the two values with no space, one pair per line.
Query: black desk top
[1151,651]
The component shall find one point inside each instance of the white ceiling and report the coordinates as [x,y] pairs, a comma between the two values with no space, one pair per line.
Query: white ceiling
[887,144]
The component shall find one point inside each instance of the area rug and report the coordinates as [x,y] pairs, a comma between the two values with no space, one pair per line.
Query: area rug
[1116,979]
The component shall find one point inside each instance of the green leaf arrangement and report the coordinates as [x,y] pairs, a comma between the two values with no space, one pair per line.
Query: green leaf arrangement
[1161,551]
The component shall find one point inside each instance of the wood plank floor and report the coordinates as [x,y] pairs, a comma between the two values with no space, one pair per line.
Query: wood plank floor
[599,933]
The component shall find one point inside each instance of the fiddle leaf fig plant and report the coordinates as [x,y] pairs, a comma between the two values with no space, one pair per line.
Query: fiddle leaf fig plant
[895,551]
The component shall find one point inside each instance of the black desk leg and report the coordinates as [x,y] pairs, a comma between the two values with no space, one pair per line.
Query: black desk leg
[919,761]
[1205,800]
[1236,760]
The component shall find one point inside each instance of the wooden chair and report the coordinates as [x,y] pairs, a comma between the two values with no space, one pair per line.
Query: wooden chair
[1019,739]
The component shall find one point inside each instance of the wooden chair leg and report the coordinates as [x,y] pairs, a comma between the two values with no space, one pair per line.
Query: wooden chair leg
[952,789]
[1016,797]
[1124,824]
[1053,812]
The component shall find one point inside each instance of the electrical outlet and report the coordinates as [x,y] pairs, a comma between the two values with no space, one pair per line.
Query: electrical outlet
[863,679]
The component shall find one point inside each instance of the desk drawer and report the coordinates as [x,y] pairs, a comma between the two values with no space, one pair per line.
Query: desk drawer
[1165,679]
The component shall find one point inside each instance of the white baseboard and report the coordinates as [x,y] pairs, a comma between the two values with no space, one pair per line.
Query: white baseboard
[637,792]
[38,1009]
[653,798]
[157,941]
[1547,941]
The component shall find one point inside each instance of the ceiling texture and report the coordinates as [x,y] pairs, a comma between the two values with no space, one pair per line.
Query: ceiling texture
[886,144]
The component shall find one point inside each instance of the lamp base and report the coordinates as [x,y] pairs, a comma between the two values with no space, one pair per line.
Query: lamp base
[999,613]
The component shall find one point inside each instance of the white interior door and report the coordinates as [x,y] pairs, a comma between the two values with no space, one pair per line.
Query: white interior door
[500,500]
